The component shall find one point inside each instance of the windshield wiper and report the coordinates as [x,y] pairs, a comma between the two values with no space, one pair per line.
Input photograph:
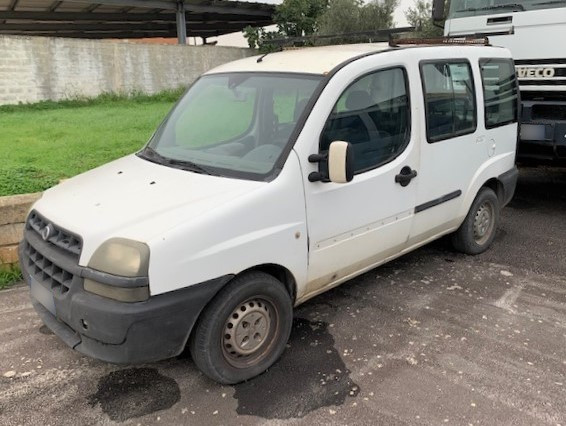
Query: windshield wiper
[152,155]
[516,6]
[190,166]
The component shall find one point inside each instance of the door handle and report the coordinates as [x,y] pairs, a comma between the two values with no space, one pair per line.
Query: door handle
[405,176]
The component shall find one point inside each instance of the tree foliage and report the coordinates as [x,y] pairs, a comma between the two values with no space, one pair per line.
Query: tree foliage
[294,18]
[348,16]
[297,18]
[420,17]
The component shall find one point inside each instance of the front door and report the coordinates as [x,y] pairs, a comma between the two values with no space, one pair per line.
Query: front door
[357,225]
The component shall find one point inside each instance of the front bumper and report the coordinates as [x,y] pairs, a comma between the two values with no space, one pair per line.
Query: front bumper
[115,331]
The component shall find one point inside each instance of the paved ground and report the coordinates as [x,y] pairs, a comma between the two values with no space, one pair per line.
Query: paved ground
[433,338]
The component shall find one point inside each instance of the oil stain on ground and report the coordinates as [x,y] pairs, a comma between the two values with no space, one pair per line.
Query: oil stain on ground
[310,375]
[135,392]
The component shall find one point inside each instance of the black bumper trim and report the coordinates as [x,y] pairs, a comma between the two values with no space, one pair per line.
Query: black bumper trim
[62,330]
[131,333]
[509,182]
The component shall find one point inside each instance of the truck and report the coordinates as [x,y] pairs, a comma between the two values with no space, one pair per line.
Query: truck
[534,31]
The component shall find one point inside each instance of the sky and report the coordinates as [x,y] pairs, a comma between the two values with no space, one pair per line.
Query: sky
[236,39]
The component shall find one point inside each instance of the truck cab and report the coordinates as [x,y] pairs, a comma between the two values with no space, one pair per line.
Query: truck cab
[272,180]
[532,31]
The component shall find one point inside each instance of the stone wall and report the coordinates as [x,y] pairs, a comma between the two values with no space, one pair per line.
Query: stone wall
[13,211]
[33,69]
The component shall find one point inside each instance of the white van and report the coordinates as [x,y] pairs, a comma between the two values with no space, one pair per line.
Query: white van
[272,180]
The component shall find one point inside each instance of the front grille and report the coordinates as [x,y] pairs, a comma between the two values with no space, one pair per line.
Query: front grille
[43,270]
[57,236]
[548,112]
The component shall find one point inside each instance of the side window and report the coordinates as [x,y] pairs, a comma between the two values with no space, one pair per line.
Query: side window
[499,92]
[450,100]
[373,114]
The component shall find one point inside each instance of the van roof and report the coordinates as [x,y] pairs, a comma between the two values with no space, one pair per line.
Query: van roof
[322,60]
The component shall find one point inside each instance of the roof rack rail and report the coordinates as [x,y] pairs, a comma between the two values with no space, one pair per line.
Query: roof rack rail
[383,35]
[480,41]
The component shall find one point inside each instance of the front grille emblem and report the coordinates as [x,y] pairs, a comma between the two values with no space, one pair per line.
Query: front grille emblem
[47,232]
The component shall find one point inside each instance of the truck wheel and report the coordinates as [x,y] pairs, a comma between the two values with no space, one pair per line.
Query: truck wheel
[244,330]
[477,232]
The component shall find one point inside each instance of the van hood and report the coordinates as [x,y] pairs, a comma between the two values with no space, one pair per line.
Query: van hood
[135,198]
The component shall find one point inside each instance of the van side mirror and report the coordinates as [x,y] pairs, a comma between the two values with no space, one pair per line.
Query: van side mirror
[335,166]
[437,10]
[340,162]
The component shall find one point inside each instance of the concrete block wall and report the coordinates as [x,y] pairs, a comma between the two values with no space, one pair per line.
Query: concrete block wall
[13,211]
[33,69]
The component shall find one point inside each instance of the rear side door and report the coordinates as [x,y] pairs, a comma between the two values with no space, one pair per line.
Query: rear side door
[453,145]
[357,225]
[501,104]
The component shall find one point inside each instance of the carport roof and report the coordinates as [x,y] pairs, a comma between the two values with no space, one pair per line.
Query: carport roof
[129,18]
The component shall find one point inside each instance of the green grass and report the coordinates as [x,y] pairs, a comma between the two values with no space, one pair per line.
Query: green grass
[42,143]
[10,276]
[48,141]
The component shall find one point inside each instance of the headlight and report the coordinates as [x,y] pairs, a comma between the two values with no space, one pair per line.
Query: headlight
[123,258]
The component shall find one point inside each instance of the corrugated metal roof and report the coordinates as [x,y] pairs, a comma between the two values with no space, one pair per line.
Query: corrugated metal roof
[128,18]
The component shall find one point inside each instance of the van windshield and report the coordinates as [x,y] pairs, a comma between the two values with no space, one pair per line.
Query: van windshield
[461,8]
[235,125]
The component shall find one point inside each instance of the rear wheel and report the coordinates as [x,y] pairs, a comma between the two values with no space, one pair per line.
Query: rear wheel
[478,230]
[244,329]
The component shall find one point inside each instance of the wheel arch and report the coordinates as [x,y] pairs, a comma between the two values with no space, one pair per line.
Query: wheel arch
[280,273]
[497,187]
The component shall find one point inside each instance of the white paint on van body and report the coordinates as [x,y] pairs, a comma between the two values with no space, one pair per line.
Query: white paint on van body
[200,227]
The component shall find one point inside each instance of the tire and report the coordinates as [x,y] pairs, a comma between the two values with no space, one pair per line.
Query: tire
[477,232]
[244,330]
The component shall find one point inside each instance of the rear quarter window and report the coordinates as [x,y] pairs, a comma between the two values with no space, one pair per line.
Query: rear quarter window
[450,102]
[499,91]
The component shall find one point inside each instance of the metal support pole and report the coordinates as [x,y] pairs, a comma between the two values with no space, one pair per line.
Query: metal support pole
[181,23]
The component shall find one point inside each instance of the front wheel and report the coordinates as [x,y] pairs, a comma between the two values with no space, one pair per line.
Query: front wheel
[478,230]
[244,329]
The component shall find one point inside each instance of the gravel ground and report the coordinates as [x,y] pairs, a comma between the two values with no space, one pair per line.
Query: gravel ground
[432,338]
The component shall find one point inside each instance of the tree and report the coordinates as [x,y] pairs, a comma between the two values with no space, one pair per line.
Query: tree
[294,18]
[420,17]
[297,18]
[342,16]
[376,14]
[349,16]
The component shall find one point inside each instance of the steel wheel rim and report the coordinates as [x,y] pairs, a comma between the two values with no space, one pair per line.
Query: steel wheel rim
[484,222]
[249,332]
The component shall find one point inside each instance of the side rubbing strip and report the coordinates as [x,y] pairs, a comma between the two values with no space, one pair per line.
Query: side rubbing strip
[438,201]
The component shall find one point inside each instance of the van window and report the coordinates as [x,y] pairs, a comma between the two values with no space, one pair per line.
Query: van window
[372,114]
[499,92]
[450,100]
[233,124]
